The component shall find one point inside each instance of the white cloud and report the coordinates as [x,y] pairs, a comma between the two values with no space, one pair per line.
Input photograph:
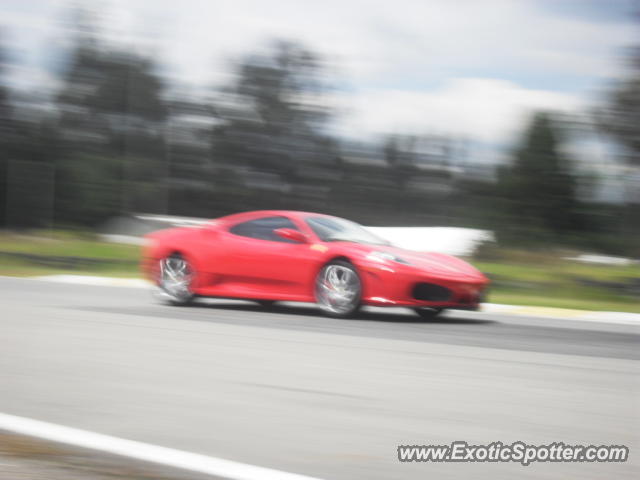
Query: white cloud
[487,109]
[376,42]
[461,66]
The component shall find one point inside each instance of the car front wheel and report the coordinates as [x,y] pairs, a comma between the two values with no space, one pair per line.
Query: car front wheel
[428,313]
[338,289]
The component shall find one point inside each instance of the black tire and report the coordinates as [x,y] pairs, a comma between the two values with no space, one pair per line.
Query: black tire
[428,313]
[171,294]
[266,303]
[352,290]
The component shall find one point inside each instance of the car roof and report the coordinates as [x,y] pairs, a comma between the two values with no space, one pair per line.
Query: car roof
[268,213]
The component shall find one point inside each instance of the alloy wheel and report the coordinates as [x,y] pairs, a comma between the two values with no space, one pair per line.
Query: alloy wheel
[338,289]
[175,277]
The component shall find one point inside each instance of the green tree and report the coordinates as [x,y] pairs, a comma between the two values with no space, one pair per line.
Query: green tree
[5,139]
[5,107]
[537,189]
[5,136]
[621,115]
[112,116]
[90,192]
[272,128]
[16,145]
[129,86]
[620,118]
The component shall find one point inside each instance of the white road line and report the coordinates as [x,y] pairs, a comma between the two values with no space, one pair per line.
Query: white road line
[143,451]
[96,281]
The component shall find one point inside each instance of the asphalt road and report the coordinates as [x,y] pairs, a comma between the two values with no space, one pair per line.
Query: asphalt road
[292,390]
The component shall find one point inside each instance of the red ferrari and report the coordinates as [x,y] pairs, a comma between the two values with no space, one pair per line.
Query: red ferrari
[269,256]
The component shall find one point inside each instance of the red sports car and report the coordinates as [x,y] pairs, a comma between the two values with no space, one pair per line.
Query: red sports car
[270,256]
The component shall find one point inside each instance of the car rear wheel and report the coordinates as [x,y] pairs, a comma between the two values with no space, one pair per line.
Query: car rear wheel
[338,289]
[174,279]
[428,313]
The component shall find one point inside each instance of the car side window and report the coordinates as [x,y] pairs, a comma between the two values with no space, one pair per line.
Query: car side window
[263,228]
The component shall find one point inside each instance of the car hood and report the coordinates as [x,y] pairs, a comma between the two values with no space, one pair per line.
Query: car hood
[438,264]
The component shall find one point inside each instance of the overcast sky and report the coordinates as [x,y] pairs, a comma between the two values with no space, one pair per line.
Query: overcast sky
[466,67]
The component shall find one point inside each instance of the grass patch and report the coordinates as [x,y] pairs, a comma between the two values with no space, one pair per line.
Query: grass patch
[65,252]
[61,243]
[579,303]
[547,279]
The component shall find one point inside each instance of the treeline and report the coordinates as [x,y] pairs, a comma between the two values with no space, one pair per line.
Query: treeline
[118,137]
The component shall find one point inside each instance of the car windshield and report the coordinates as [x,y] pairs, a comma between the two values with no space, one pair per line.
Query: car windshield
[334,229]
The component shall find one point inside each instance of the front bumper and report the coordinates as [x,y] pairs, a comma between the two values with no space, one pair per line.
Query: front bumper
[396,287]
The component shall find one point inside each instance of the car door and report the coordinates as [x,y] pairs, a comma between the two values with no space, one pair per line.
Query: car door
[259,260]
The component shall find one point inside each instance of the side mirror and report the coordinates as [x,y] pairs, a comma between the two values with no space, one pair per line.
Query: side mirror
[291,234]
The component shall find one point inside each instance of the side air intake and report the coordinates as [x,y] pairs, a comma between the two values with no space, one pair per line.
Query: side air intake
[431,292]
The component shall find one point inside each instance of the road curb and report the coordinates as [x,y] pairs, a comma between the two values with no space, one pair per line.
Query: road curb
[625,318]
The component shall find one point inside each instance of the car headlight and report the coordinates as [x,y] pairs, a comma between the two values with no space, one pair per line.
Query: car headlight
[386,257]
